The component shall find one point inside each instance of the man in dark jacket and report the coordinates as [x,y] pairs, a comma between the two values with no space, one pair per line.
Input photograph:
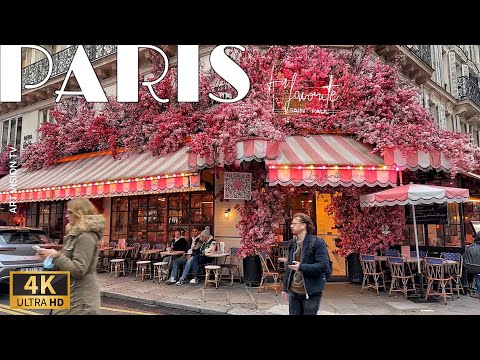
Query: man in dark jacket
[472,262]
[308,262]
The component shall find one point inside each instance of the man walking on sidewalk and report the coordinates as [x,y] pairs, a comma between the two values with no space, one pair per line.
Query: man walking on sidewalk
[308,264]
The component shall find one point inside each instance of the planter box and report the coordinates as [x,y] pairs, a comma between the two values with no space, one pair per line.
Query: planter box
[252,270]
[355,273]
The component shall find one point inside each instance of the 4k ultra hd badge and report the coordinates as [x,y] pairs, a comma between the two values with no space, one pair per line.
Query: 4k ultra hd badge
[40,290]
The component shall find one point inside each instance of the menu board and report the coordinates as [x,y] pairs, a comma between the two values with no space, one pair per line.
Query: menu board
[427,214]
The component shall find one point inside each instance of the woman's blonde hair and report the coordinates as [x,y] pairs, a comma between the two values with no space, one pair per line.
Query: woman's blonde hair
[80,207]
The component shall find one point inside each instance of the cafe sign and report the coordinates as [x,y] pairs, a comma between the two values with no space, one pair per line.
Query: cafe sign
[289,97]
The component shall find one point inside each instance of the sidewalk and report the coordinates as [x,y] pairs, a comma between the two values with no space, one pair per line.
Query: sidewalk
[338,299]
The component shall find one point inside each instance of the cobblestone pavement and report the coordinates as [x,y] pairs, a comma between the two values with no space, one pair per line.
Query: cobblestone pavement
[338,299]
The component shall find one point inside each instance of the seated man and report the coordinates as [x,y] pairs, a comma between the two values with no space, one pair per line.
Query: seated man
[194,250]
[178,244]
[208,245]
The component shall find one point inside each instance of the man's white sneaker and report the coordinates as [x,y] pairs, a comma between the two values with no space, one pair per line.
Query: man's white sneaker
[171,281]
[194,281]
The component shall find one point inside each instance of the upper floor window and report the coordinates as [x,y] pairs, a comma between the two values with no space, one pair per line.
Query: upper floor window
[12,132]
[44,116]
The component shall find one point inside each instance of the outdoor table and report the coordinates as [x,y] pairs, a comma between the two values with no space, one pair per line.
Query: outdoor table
[172,253]
[147,253]
[217,256]
[102,256]
[123,250]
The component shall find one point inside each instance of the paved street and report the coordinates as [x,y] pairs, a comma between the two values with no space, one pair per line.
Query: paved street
[110,306]
[339,299]
[124,296]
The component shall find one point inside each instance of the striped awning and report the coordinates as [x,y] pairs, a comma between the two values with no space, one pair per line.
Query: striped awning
[417,160]
[245,150]
[328,159]
[101,176]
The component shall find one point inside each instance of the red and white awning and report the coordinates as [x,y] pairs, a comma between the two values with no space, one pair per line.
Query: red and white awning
[328,159]
[245,150]
[415,194]
[417,160]
[101,176]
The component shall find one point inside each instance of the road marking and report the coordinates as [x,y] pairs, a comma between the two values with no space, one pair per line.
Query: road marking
[127,311]
[10,312]
[6,309]
[18,311]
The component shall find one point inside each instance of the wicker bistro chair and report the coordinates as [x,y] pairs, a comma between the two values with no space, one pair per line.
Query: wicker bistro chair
[371,268]
[283,253]
[401,273]
[392,252]
[422,254]
[456,269]
[233,263]
[133,256]
[268,271]
[160,247]
[438,273]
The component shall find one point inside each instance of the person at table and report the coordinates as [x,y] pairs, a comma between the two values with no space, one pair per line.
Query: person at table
[197,242]
[178,244]
[208,245]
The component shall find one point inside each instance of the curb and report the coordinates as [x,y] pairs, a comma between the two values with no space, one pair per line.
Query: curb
[207,310]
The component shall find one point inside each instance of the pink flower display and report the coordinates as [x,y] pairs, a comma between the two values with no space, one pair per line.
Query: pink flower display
[374,103]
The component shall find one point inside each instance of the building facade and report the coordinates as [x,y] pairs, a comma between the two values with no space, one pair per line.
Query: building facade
[147,203]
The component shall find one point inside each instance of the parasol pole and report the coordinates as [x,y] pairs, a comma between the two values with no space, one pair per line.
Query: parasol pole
[418,251]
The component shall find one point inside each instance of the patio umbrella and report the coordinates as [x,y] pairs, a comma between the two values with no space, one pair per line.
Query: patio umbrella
[414,194]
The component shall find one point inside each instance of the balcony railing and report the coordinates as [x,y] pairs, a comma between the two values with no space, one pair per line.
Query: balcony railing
[423,52]
[35,73]
[468,89]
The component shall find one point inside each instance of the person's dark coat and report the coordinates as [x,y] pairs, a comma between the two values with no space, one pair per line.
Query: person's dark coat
[180,245]
[314,265]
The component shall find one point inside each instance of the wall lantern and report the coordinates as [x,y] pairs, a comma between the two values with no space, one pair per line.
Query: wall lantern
[226,213]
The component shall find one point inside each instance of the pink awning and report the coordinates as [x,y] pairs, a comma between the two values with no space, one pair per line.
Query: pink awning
[101,176]
[328,159]
[245,150]
[417,160]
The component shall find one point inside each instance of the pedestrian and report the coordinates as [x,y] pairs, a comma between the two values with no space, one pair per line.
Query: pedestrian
[79,255]
[472,262]
[308,264]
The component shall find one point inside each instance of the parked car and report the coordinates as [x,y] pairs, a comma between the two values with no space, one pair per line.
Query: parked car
[16,252]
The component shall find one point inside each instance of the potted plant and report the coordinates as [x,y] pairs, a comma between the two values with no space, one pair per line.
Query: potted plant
[364,231]
[260,219]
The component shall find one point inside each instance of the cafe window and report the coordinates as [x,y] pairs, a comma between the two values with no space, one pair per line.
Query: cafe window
[472,214]
[31,214]
[12,133]
[154,218]
[51,216]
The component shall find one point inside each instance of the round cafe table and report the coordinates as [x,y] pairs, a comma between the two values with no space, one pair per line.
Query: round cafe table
[172,253]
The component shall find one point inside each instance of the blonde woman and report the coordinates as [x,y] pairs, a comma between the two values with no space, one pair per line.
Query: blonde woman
[79,256]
